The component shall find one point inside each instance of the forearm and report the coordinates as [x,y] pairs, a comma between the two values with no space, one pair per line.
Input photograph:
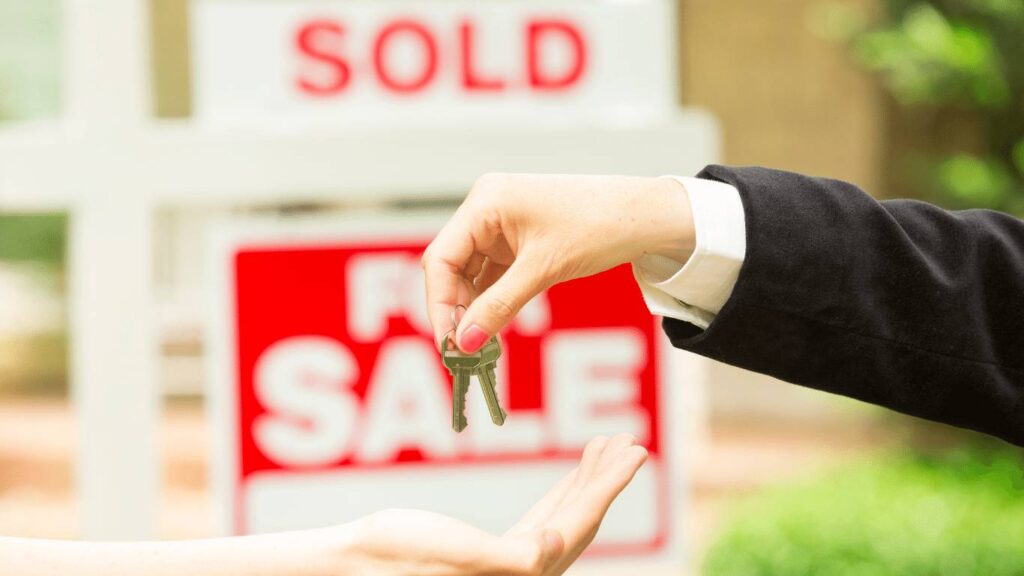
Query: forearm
[287,554]
[900,303]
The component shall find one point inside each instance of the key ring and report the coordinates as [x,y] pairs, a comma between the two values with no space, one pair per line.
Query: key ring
[455,323]
[455,326]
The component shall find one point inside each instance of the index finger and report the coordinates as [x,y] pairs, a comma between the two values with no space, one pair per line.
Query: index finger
[443,263]
[613,464]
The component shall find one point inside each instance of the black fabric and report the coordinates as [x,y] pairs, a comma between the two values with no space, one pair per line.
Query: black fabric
[897,303]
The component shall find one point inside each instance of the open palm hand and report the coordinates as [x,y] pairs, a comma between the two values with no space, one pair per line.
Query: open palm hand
[545,542]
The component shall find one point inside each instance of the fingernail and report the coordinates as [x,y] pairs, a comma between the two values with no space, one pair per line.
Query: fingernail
[472,339]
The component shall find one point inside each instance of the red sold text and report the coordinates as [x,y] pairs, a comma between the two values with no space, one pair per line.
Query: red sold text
[554,57]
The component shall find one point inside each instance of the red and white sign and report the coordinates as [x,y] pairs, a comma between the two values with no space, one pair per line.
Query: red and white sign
[330,401]
[429,60]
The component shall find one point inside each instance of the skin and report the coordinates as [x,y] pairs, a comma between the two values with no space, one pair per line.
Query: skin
[545,542]
[516,235]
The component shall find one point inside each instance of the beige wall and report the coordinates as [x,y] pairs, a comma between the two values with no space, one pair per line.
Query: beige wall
[172,81]
[785,97]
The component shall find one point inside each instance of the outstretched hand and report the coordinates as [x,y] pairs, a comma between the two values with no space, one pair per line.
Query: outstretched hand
[518,234]
[545,542]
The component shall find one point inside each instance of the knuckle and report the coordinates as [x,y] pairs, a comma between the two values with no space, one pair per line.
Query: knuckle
[379,518]
[500,307]
[625,438]
[386,519]
[427,257]
[433,257]
[487,180]
[487,187]
[372,532]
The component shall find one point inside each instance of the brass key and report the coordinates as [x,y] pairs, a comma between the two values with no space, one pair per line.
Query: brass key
[461,366]
[484,371]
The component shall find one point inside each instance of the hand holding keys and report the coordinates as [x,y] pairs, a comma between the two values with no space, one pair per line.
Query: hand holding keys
[462,366]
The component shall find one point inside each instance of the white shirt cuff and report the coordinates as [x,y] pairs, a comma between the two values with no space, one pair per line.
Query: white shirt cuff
[696,291]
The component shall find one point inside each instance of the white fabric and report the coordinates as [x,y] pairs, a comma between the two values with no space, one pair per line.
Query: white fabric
[695,292]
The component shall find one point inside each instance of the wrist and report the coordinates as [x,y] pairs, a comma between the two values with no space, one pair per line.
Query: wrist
[671,232]
[317,552]
[329,551]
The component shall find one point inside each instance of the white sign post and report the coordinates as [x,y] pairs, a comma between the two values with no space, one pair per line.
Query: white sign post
[113,363]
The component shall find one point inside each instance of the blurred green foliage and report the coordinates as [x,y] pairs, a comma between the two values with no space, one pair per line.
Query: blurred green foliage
[33,237]
[959,58]
[957,514]
[29,88]
[29,58]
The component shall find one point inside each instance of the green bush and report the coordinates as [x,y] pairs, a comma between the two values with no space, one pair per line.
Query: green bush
[33,237]
[958,514]
[956,65]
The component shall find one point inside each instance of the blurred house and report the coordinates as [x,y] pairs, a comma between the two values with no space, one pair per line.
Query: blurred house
[784,95]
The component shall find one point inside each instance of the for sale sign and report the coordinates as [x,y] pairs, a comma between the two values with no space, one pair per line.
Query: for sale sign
[331,401]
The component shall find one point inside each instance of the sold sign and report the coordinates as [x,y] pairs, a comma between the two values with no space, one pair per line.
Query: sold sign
[366,61]
[332,403]
[326,68]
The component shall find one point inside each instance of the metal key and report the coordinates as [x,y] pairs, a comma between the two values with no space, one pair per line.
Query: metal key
[461,366]
[484,371]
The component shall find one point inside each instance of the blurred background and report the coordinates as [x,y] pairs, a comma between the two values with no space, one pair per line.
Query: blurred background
[919,99]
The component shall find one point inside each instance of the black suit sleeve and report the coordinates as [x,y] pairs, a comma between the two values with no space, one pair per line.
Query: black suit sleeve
[897,303]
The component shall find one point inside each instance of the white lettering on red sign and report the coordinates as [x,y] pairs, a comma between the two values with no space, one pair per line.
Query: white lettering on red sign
[383,287]
[306,383]
[314,418]
[592,376]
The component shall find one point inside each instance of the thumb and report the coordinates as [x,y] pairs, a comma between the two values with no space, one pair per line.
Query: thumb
[497,305]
